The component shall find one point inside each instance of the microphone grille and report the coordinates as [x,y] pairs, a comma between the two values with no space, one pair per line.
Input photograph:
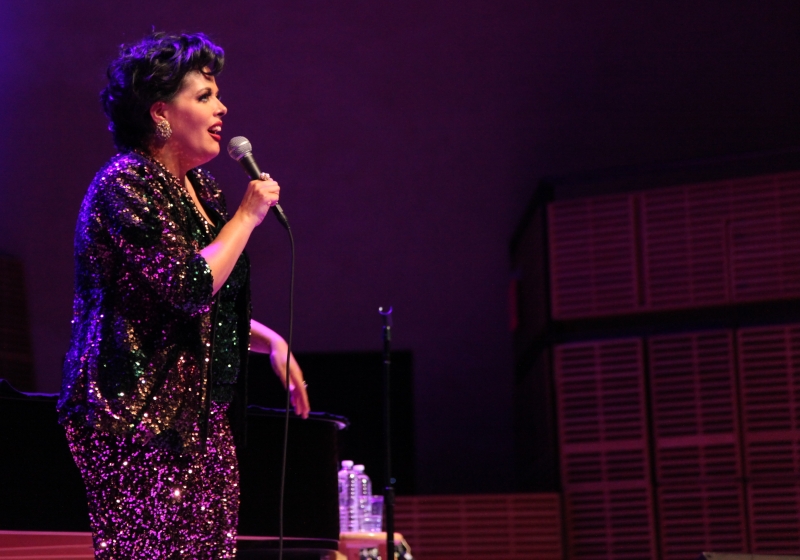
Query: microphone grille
[239,147]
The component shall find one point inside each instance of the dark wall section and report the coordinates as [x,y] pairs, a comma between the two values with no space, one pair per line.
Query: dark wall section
[350,384]
[407,138]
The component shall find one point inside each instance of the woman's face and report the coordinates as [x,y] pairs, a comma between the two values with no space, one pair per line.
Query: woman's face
[195,115]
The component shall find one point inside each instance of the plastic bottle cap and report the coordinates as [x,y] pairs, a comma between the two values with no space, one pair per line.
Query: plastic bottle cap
[347,464]
[359,468]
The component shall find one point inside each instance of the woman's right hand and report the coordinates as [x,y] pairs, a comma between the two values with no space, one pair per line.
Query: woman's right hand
[222,253]
[260,196]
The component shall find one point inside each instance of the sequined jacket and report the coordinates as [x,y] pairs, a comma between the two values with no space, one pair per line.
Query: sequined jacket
[141,327]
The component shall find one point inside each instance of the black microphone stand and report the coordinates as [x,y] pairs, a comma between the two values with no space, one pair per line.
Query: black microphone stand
[388,500]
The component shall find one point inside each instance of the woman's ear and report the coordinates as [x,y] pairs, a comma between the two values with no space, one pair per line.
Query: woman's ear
[157,111]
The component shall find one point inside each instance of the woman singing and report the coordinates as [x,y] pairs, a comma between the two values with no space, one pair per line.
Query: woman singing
[161,323]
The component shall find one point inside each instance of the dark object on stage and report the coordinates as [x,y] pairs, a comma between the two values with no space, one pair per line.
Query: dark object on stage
[350,384]
[730,556]
[41,488]
[16,354]
[312,491]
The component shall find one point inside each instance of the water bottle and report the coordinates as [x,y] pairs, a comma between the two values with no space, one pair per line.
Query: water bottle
[363,497]
[347,479]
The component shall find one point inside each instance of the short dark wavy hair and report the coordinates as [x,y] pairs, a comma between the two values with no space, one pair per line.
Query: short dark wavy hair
[149,71]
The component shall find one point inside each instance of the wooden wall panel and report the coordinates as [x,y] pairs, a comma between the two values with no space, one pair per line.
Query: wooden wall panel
[697,517]
[682,247]
[610,521]
[694,406]
[482,527]
[593,257]
[769,365]
[775,516]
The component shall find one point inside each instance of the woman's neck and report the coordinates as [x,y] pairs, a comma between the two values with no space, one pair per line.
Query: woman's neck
[175,166]
[172,161]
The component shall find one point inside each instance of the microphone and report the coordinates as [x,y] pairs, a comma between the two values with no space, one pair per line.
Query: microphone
[240,149]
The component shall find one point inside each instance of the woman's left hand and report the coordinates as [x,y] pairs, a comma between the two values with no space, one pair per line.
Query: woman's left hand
[266,341]
[297,386]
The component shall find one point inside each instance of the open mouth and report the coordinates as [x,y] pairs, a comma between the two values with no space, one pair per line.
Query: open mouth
[216,132]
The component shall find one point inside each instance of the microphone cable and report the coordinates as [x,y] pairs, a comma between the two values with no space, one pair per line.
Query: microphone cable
[285,223]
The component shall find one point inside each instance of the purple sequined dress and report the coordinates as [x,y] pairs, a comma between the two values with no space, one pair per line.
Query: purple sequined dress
[133,398]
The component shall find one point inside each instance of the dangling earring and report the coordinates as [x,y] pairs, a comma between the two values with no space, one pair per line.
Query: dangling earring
[163,130]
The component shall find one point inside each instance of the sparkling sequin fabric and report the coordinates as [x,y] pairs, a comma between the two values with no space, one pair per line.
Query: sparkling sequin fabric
[134,380]
[148,502]
[141,328]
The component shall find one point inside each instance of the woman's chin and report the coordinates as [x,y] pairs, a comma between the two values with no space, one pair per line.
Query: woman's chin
[210,154]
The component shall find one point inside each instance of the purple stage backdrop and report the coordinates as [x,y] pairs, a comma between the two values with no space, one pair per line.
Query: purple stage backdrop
[407,137]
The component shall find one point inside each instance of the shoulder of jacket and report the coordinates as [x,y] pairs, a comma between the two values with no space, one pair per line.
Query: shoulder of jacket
[127,167]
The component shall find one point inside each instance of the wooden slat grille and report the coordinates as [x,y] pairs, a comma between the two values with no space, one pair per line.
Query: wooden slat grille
[702,517]
[481,527]
[593,257]
[683,230]
[597,463]
[610,521]
[775,510]
[679,247]
[765,240]
[722,242]
[694,402]
[603,434]
[769,365]
[604,449]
